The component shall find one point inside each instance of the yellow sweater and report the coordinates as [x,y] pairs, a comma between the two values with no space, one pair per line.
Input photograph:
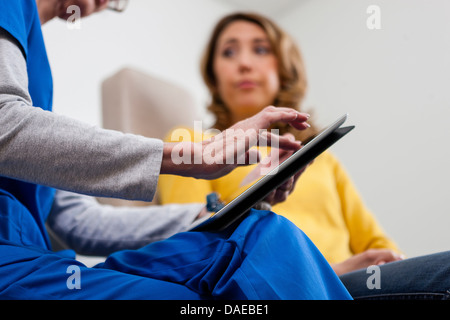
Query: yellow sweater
[324,204]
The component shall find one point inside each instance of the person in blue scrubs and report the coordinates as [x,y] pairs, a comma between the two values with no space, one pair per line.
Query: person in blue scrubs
[262,257]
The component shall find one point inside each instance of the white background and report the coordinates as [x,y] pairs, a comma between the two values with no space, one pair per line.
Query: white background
[394,83]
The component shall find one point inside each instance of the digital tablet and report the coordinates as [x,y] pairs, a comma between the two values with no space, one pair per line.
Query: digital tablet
[256,192]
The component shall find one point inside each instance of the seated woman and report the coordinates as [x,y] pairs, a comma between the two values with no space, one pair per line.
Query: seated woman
[250,63]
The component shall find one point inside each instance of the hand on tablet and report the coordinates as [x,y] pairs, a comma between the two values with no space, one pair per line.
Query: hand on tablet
[266,165]
[219,155]
[282,192]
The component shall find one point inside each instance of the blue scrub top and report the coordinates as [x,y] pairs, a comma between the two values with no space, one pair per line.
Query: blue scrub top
[24,207]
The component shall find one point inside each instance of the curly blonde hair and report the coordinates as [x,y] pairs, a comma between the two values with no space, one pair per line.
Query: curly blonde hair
[292,72]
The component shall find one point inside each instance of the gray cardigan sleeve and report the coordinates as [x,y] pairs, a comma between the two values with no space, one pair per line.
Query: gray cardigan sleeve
[49,149]
[90,228]
[53,150]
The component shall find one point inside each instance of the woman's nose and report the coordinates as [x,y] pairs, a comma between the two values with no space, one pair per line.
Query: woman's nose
[245,62]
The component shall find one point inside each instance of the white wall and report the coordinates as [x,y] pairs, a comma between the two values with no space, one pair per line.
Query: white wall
[392,82]
[163,38]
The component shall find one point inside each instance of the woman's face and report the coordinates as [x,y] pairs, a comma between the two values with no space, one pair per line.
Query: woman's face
[246,69]
[87,7]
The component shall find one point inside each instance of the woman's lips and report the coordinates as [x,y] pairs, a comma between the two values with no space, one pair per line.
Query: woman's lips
[246,84]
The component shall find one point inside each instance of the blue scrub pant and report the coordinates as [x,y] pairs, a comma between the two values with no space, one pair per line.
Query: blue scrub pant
[263,257]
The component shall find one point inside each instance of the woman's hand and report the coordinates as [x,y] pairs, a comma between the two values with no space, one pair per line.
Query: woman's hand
[219,155]
[282,192]
[276,157]
[365,259]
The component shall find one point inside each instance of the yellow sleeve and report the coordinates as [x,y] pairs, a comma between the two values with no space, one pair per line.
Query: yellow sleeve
[365,231]
[176,189]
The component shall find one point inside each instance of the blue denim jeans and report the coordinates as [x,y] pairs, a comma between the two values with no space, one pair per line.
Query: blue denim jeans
[425,278]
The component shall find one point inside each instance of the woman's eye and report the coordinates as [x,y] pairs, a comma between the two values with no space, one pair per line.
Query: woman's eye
[262,50]
[228,52]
